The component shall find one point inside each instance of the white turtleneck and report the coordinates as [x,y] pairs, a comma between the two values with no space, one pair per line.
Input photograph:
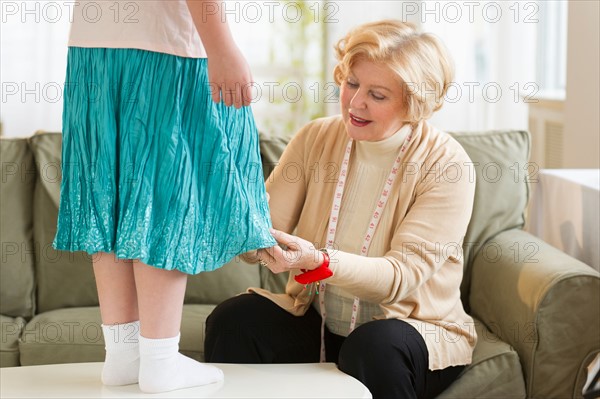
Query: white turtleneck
[370,165]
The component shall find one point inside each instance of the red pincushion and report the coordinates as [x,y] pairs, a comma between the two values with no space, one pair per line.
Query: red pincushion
[320,273]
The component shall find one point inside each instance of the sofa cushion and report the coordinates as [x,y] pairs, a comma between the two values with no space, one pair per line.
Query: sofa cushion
[74,335]
[16,229]
[64,279]
[495,371]
[71,335]
[216,286]
[193,328]
[271,149]
[12,328]
[501,163]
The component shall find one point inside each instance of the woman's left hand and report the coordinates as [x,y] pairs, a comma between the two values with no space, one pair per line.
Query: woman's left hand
[300,254]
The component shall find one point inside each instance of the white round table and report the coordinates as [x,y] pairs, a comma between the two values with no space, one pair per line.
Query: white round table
[82,380]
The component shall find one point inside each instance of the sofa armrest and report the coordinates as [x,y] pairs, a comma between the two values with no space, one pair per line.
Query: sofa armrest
[545,304]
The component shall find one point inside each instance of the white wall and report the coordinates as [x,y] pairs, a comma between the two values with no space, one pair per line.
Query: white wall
[494,57]
[582,123]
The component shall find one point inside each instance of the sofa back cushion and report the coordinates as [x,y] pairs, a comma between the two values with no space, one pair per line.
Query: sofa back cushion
[216,286]
[501,164]
[18,177]
[66,279]
[271,149]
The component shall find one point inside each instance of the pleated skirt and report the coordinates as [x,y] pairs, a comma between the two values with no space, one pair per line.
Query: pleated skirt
[152,168]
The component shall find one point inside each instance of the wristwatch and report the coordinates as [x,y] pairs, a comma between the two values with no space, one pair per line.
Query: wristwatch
[326,252]
[320,273]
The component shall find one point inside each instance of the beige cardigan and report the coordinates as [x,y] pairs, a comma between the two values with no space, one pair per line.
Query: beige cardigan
[418,278]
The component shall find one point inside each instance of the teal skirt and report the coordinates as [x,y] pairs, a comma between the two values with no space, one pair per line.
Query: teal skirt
[152,168]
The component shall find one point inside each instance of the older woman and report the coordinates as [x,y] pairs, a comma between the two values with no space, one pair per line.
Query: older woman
[385,199]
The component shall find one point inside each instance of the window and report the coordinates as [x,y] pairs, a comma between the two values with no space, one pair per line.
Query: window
[551,72]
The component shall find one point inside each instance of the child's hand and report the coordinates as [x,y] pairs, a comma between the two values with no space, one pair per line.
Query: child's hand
[230,78]
[228,73]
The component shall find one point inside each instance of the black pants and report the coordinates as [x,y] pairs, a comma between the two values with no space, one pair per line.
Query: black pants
[388,356]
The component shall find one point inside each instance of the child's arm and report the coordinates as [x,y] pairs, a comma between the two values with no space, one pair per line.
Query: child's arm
[228,71]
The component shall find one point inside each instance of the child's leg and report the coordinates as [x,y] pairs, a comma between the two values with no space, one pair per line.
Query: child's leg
[116,289]
[119,310]
[160,295]
[162,367]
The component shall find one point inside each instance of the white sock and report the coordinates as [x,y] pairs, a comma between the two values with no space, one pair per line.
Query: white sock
[122,363]
[163,368]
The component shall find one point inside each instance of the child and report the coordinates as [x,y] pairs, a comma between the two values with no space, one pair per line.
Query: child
[155,171]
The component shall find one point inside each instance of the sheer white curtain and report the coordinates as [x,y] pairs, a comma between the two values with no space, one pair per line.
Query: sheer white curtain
[289,45]
[493,45]
[282,41]
[33,53]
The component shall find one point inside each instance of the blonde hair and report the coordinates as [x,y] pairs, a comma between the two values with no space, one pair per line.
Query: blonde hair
[420,60]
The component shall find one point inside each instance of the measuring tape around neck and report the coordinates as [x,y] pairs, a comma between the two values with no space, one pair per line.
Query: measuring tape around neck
[375,218]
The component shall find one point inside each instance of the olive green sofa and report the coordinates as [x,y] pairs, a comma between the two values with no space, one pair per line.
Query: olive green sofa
[536,309]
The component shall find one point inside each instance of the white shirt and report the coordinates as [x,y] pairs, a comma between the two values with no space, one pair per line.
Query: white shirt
[370,167]
[160,26]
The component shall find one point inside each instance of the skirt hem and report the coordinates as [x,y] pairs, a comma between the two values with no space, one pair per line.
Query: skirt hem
[152,260]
